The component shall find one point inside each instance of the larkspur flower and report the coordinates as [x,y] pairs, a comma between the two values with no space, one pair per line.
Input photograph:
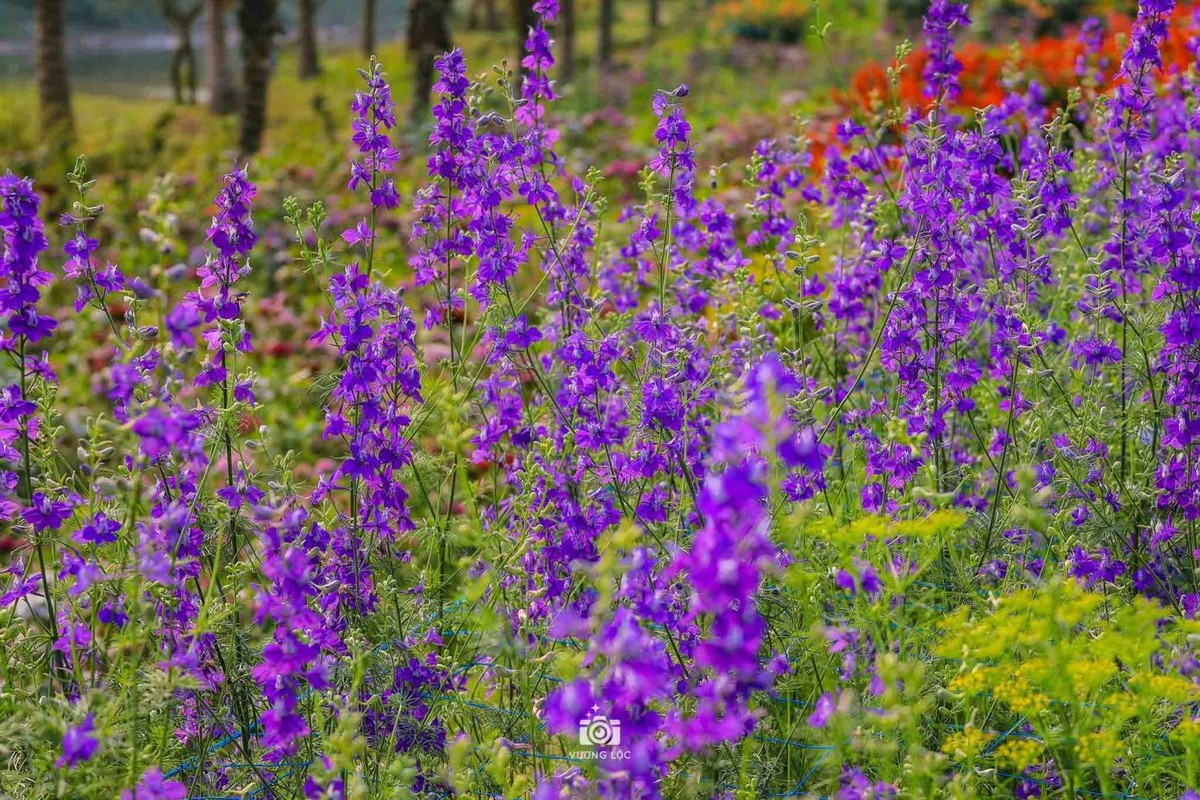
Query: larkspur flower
[153,786]
[218,303]
[79,743]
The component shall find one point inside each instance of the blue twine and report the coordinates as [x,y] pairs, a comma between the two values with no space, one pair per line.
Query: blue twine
[220,744]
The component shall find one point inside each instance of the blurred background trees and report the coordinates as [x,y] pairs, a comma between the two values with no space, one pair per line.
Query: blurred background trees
[367,37]
[230,65]
[428,23]
[222,94]
[247,31]
[258,22]
[308,61]
[50,59]
[182,16]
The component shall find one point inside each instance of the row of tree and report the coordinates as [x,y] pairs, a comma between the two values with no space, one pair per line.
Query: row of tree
[258,24]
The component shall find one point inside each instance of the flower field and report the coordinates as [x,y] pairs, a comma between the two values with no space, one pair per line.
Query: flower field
[867,469]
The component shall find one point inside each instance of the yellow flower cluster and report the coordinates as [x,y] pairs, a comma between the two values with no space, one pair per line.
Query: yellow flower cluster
[936,524]
[1088,674]
[971,682]
[925,528]
[1019,695]
[1065,615]
[1019,753]
[1188,730]
[966,744]
[1172,688]
[1100,749]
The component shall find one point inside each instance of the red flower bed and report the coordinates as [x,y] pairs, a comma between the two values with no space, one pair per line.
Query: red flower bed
[1054,62]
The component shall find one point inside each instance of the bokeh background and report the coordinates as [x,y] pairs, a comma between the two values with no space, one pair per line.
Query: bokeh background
[152,86]
[134,86]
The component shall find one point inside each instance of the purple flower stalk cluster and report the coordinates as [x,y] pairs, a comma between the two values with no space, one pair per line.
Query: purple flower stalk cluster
[374,115]
[943,68]
[731,554]
[23,504]
[24,240]
[379,383]
[292,662]
[216,302]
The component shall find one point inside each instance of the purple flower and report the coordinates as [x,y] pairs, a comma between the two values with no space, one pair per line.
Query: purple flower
[217,303]
[855,785]
[79,743]
[23,239]
[153,786]
[804,450]
[374,115]
[567,705]
[161,431]
[942,67]
[45,513]
[825,706]
[23,584]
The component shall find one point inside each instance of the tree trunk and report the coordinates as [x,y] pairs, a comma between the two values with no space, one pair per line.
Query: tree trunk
[54,92]
[607,14]
[189,60]
[655,15]
[428,37]
[524,17]
[258,23]
[368,27]
[306,32]
[566,48]
[490,19]
[177,75]
[222,97]
[183,59]
[183,63]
